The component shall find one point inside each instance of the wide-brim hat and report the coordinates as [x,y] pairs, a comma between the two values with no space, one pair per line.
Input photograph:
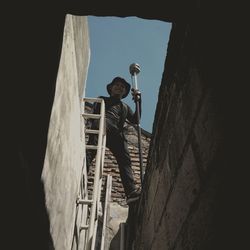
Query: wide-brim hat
[119,79]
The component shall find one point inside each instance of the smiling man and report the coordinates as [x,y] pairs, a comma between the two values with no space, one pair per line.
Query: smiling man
[116,113]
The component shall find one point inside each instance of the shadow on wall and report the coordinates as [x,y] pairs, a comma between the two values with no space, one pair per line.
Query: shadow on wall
[115,242]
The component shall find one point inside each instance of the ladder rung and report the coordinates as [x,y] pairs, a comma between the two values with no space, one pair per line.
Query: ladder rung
[91,99]
[84,227]
[91,131]
[91,147]
[93,116]
[84,201]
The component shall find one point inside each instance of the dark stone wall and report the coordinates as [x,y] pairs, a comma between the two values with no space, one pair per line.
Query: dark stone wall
[31,53]
[194,194]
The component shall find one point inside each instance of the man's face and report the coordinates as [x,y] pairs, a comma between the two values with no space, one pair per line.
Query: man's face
[118,89]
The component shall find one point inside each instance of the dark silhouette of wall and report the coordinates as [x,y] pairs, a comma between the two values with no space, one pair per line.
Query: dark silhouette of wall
[31,44]
[195,189]
[191,190]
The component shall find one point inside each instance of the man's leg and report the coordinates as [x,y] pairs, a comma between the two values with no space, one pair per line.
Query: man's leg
[118,146]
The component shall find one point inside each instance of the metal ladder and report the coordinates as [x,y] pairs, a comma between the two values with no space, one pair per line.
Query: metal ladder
[87,232]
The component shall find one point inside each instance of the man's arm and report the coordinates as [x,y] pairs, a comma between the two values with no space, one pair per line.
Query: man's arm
[134,117]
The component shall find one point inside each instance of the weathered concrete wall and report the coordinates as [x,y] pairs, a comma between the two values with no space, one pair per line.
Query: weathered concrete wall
[179,184]
[65,148]
[188,183]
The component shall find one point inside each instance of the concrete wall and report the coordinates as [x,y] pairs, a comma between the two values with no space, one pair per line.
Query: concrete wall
[179,187]
[65,148]
[189,195]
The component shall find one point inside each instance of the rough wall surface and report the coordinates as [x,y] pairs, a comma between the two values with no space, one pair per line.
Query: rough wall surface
[187,200]
[65,148]
[180,179]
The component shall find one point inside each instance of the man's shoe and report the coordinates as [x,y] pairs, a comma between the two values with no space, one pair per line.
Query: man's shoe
[134,196]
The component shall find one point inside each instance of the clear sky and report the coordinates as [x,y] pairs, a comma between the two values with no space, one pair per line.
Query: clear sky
[115,43]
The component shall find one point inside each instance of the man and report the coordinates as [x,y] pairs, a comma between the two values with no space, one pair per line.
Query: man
[116,112]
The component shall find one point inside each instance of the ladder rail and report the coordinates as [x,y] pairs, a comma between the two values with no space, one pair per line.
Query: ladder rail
[93,99]
[82,203]
[88,209]
[107,200]
[98,176]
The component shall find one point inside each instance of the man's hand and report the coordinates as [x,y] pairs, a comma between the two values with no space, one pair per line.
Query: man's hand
[136,95]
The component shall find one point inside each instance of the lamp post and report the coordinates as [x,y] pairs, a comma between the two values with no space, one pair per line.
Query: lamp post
[134,70]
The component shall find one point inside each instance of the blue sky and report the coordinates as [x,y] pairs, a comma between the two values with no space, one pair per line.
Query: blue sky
[115,43]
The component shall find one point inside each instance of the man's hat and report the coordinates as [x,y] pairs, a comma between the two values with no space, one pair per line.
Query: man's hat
[119,79]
